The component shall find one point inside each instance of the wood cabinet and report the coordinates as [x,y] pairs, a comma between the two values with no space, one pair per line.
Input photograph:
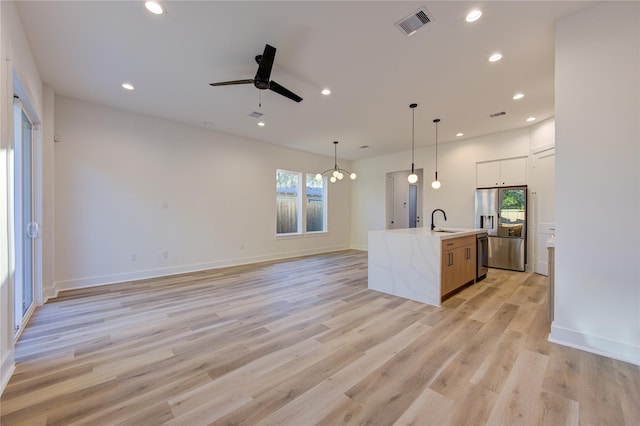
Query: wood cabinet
[508,172]
[458,263]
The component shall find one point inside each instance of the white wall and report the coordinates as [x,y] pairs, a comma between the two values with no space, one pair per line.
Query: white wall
[129,185]
[598,180]
[456,170]
[16,61]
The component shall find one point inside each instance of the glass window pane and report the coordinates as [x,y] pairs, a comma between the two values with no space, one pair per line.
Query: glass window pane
[287,202]
[316,204]
[27,212]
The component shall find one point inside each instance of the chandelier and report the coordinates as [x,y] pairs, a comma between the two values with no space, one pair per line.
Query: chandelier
[336,172]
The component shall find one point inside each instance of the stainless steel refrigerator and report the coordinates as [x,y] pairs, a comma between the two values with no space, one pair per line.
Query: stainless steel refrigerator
[502,212]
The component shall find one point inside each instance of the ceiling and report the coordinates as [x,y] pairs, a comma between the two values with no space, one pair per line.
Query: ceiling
[86,49]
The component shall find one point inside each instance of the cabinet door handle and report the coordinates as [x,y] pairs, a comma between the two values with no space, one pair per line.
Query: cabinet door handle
[450,258]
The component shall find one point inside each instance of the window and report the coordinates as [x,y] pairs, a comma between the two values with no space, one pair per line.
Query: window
[293,204]
[288,202]
[316,204]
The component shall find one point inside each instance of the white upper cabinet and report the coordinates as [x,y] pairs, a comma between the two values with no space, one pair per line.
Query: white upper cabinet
[509,172]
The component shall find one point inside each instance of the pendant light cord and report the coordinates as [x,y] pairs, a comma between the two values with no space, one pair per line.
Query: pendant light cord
[413,132]
[437,120]
[413,135]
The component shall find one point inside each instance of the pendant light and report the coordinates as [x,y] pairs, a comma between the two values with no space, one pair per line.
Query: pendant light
[413,177]
[336,172]
[436,183]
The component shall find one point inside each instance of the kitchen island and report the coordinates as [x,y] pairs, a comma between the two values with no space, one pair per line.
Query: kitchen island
[420,264]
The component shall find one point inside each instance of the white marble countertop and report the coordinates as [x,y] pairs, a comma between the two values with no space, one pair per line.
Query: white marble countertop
[407,262]
[440,233]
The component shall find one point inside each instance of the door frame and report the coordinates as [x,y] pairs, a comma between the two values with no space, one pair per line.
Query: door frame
[397,199]
[22,103]
[540,230]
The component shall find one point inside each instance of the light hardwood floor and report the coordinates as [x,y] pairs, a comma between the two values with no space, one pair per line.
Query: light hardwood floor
[301,342]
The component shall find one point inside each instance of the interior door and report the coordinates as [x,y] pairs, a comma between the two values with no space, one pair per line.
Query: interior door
[544,205]
[390,202]
[413,206]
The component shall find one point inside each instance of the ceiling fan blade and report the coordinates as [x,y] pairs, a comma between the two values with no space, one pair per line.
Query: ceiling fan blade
[266,63]
[284,91]
[229,83]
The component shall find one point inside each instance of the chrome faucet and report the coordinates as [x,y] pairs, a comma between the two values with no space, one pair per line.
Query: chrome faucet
[437,210]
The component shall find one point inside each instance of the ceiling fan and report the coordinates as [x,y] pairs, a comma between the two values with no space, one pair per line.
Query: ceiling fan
[261,80]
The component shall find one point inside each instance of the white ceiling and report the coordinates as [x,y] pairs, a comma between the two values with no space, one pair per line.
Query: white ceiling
[86,49]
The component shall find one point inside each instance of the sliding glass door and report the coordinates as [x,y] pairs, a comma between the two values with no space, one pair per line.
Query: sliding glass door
[25,226]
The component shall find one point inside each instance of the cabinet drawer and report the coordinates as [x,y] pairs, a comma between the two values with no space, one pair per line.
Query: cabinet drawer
[452,243]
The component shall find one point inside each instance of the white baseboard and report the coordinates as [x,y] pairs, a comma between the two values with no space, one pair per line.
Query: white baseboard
[7,368]
[598,345]
[49,293]
[174,270]
[362,247]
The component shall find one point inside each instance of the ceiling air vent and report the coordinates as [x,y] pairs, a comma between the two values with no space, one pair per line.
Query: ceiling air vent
[497,114]
[256,114]
[413,22]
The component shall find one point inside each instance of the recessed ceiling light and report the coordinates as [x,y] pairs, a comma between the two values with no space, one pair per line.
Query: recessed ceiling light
[128,86]
[518,96]
[531,119]
[473,16]
[154,7]
[495,57]
[261,123]
[459,134]
[326,92]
